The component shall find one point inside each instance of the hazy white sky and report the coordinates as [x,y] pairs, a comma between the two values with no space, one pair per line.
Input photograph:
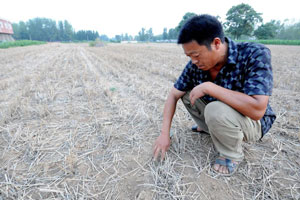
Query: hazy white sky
[113,17]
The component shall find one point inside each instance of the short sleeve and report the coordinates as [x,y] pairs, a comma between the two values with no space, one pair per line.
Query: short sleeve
[259,75]
[184,82]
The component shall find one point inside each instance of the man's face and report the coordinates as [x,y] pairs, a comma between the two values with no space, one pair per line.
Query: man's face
[200,55]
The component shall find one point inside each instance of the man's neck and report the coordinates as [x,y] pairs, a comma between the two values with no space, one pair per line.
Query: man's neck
[223,60]
[224,54]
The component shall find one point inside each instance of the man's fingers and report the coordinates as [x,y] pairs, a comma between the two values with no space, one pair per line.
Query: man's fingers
[154,149]
[156,152]
[163,153]
[191,98]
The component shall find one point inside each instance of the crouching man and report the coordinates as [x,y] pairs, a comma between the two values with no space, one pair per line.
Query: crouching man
[225,87]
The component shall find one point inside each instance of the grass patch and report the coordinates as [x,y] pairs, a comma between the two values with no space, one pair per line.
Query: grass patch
[275,42]
[20,43]
[96,43]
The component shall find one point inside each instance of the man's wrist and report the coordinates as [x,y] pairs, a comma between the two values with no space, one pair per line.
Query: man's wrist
[208,87]
[165,133]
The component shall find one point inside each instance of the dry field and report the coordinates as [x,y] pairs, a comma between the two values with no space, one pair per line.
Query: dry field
[79,122]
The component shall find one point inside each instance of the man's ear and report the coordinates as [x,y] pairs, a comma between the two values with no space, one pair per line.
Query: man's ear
[217,43]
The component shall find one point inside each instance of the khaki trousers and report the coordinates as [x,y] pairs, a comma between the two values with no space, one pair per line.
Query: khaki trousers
[227,127]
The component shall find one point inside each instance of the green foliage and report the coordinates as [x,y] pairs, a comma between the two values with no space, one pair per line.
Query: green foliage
[172,34]
[68,31]
[19,43]
[241,20]
[104,38]
[112,89]
[268,30]
[20,31]
[289,32]
[96,43]
[280,42]
[142,35]
[165,34]
[275,42]
[92,43]
[44,29]
[86,35]
[145,35]
[117,38]
[149,35]
[185,18]
[65,31]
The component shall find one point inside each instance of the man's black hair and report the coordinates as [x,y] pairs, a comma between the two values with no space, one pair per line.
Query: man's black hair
[201,28]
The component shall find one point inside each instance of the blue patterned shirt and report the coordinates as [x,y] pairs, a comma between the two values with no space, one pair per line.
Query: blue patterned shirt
[248,70]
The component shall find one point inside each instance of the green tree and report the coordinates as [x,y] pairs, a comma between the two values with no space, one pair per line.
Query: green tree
[35,29]
[149,35]
[142,35]
[157,37]
[289,31]
[20,31]
[118,38]
[268,30]
[126,37]
[50,30]
[68,31]
[104,37]
[241,20]
[42,29]
[185,18]
[165,34]
[172,34]
[86,35]
[16,29]
[61,31]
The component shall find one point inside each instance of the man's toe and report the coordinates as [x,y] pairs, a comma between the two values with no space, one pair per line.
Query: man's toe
[217,167]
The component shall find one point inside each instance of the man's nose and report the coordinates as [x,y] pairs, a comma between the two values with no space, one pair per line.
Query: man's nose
[194,61]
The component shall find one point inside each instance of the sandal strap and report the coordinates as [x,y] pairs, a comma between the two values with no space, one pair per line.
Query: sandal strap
[194,128]
[221,162]
[231,166]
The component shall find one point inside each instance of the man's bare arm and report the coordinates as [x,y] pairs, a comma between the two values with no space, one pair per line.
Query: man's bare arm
[252,106]
[162,143]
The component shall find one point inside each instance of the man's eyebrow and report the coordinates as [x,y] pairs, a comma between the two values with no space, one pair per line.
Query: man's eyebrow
[192,52]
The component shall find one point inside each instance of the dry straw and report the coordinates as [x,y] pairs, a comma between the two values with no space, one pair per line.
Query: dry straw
[78,122]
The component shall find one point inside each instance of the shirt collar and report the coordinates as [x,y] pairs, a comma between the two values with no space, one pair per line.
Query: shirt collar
[232,51]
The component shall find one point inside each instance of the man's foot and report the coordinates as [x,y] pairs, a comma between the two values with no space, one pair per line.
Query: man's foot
[225,167]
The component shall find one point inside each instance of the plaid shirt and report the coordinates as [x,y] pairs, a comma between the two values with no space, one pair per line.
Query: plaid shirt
[248,70]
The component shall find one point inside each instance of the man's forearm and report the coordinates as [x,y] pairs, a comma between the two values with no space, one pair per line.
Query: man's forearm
[251,106]
[168,114]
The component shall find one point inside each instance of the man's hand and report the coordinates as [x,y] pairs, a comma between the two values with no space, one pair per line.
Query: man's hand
[161,145]
[198,92]
[252,106]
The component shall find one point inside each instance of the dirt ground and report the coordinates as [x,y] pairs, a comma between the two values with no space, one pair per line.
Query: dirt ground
[79,122]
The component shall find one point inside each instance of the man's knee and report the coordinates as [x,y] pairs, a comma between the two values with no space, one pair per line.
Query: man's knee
[218,112]
[222,121]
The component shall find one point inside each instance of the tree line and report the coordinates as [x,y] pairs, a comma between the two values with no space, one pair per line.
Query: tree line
[242,22]
[44,29]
